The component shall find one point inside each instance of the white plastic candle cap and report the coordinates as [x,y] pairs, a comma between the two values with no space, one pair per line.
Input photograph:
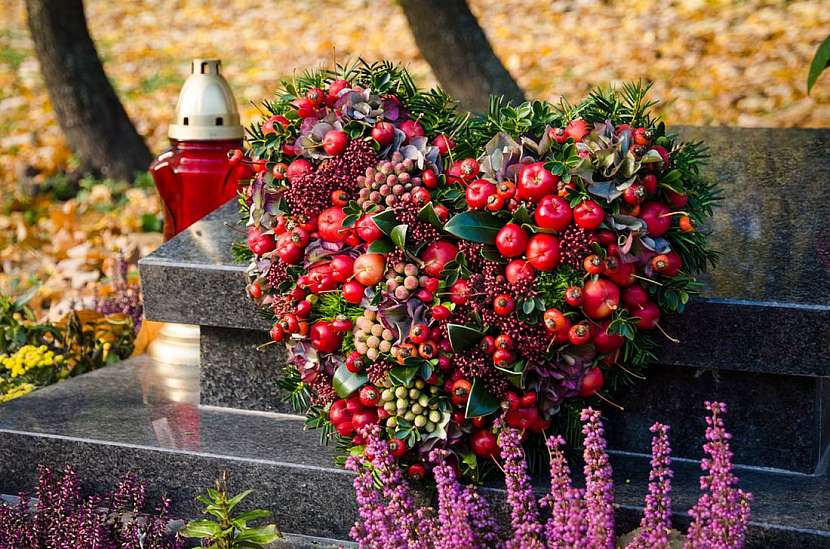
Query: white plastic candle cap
[206,110]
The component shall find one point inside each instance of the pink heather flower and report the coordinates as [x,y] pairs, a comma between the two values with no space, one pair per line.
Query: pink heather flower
[484,525]
[527,529]
[565,529]
[722,511]
[599,486]
[656,523]
[453,513]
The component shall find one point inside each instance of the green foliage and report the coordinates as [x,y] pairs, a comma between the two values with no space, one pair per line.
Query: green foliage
[296,391]
[552,285]
[625,105]
[820,62]
[331,305]
[241,253]
[227,529]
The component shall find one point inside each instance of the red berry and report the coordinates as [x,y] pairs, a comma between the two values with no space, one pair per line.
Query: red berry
[342,323]
[255,290]
[484,444]
[353,292]
[291,323]
[412,129]
[518,271]
[503,358]
[503,304]
[469,169]
[460,292]
[416,471]
[601,298]
[488,345]
[635,194]
[593,264]
[504,342]
[334,90]
[506,189]
[440,312]
[494,203]
[460,392]
[324,337]
[305,107]
[369,395]
[302,309]
[316,96]
[528,399]
[277,333]
[647,316]
[397,447]
[579,334]
[429,179]
[592,382]
[298,168]
[577,129]
[657,218]
[344,428]
[634,298]
[558,134]
[605,342]
[419,333]
[278,171]
[354,362]
[573,296]
[555,320]
[235,156]
[649,183]
[444,144]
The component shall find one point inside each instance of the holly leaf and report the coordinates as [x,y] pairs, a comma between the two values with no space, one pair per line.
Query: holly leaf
[480,402]
[386,221]
[345,382]
[514,374]
[381,246]
[403,374]
[820,62]
[427,213]
[522,216]
[463,337]
[398,236]
[475,226]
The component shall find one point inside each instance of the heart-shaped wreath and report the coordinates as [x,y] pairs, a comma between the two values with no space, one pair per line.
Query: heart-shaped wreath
[430,270]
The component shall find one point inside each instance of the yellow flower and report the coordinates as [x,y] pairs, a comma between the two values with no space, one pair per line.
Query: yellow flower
[28,358]
[16,391]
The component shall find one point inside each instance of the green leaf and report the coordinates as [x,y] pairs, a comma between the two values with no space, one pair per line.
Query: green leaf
[398,236]
[528,305]
[403,374]
[259,536]
[463,337]
[200,529]
[820,62]
[475,227]
[514,374]
[427,213]
[381,246]
[522,216]
[234,501]
[346,382]
[385,221]
[480,402]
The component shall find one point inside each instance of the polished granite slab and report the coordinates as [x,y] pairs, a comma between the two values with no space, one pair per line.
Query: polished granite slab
[143,417]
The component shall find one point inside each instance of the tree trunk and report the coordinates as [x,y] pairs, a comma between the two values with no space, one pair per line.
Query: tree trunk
[90,114]
[453,43]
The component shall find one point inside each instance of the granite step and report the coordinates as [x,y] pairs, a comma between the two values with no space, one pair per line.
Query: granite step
[140,416]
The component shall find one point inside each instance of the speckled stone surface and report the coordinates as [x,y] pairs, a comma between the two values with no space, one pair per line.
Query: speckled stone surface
[777,421]
[236,373]
[130,418]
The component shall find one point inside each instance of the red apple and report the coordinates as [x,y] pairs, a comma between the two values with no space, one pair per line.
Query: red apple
[369,268]
[655,215]
[436,255]
[324,337]
[335,142]
[298,168]
[605,342]
[553,212]
[511,240]
[330,224]
[367,230]
[592,382]
[588,215]
[477,193]
[519,270]
[535,181]
[383,133]
[412,129]
[601,297]
[543,251]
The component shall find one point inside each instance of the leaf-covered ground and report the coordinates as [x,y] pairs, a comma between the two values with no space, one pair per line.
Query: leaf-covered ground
[720,62]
